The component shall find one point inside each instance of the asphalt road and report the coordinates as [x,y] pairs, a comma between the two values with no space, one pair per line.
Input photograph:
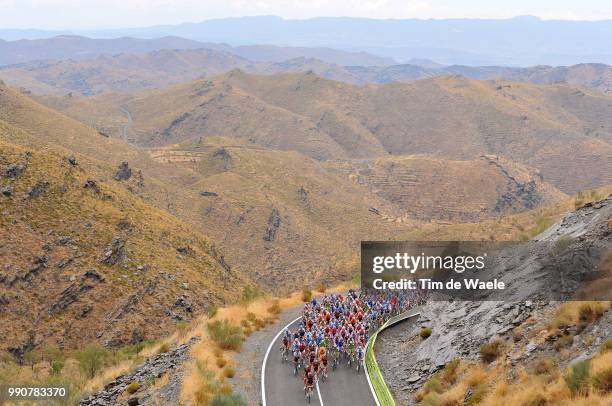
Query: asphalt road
[344,386]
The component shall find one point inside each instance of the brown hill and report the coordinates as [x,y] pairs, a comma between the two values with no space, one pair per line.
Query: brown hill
[85,259]
[427,187]
[593,75]
[557,129]
[279,218]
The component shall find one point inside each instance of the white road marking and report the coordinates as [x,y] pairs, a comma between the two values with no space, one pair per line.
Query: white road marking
[265,360]
[319,392]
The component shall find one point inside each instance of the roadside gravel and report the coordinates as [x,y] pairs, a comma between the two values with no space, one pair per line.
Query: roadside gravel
[249,361]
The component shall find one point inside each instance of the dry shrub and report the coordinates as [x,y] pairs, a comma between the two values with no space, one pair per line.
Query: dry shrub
[258,324]
[322,288]
[225,334]
[564,341]
[133,387]
[602,381]
[425,332]
[543,366]
[306,295]
[536,399]
[221,362]
[475,375]
[450,371]
[490,351]
[274,308]
[517,334]
[247,331]
[250,316]
[590,311]
[606,347]
[229,371]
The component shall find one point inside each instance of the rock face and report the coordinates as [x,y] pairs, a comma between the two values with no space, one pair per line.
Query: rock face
[459,328]
[38,189]
[274,222]
[14,170]
[153,368]
[114,252]
[124,172]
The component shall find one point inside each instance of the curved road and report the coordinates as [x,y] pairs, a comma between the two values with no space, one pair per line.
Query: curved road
[126,127]
[280,387]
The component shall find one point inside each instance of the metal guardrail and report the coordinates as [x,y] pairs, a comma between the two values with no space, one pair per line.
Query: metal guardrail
[380,390]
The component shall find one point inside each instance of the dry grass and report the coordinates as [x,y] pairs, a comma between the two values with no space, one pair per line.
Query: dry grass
[541,382]
[574,313]
[490,351]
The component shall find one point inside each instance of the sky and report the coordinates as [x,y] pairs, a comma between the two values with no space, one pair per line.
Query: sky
[94,14]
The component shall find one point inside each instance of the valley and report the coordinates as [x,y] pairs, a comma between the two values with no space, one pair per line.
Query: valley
[168,204]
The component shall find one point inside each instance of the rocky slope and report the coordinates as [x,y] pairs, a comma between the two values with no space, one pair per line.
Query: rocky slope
[521,323]
[85,258]
[167,366]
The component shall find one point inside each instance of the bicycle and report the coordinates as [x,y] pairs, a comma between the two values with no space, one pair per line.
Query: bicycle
[283,351]
[309,390]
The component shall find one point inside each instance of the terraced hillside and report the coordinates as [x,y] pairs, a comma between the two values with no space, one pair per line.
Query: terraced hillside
[556,129]
[427,187]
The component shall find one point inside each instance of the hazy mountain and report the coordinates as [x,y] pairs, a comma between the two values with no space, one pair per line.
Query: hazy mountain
[68,46]
[517,41]
[78,47]
[121,72]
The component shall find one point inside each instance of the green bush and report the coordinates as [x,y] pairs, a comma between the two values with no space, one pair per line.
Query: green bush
[563,243]
[227,335]
[425,332]
[130,351]
[92,358]
[250,293]
[577,379]
[165,347]
[234,399]
[212,311]
[57,366]
[133,387]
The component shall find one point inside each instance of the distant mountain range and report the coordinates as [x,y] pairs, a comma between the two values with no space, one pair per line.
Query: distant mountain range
[519,41]
[78,47]
[159,68]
